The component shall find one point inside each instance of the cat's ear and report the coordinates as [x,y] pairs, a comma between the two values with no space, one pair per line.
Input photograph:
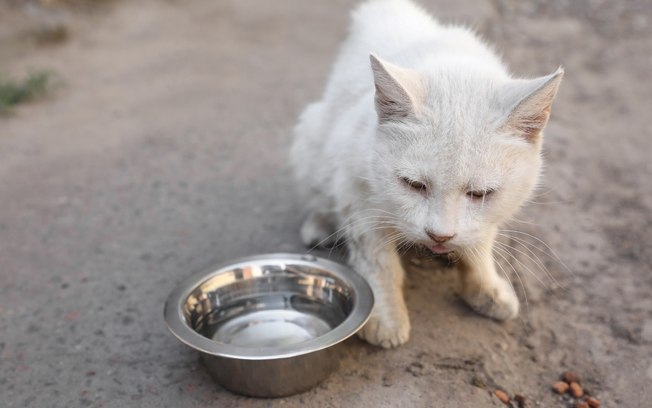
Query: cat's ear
[529,102]
[398,90]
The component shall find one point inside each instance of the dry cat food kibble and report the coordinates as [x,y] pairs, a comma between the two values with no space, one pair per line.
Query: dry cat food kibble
[593,402]
[571,384]
[570,377]
[561,387]
[576,390]
[502,396]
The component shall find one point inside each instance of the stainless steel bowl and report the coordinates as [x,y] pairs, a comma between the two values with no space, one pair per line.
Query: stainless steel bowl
[266,325]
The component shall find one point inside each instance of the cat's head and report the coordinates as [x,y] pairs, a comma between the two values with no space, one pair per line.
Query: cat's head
[457,151]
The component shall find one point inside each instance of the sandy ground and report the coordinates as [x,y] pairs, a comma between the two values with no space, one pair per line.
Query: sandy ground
[164,148]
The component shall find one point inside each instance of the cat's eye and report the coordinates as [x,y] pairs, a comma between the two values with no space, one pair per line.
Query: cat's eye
[479,194]
[414,184]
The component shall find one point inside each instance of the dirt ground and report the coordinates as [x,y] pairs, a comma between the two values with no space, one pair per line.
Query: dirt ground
[163,148]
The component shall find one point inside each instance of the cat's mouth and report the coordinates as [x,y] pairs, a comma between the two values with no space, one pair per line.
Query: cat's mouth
[440,249]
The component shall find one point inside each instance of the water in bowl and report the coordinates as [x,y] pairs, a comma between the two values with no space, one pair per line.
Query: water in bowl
[272,319]
[271,328]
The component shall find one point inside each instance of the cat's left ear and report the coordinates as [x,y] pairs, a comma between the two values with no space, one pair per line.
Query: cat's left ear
[398,90]
[529,103]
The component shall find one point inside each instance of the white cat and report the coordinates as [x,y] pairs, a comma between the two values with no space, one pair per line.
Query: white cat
[421,137]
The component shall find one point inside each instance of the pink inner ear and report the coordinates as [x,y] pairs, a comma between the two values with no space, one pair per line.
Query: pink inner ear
[531,113]
[531,126]
[387,107]
[396,90]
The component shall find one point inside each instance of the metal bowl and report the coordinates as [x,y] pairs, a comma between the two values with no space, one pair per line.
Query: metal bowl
[266,325]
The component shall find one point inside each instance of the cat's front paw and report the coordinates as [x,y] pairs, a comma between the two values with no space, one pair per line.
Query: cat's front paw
[386,331]
[497,301]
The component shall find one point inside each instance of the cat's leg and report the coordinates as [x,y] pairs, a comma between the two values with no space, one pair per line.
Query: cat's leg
[481,286]
[373,256]
[319,229]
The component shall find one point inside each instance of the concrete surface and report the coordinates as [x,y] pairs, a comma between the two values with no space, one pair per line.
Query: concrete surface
[164,150]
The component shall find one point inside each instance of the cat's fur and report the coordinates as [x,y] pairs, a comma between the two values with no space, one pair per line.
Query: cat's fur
[416,118]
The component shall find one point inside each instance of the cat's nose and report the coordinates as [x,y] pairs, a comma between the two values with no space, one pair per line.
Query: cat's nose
[440,239]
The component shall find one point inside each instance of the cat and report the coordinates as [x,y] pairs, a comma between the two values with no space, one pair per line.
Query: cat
[421,137]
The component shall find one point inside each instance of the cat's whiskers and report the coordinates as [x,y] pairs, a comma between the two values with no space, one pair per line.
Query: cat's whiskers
[538,193]
[405,245]
[388,240]
[474,253]
[348,222]
[377,227]
[505,250]
[544,202]
[361,226]
[522,221]
[527,306]
[457,256]
[385,220]
[346,227]
[537,261]
[558,259]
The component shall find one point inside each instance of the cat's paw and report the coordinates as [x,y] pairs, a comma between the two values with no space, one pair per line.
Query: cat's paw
[497,301]
[317,230]
[385,331]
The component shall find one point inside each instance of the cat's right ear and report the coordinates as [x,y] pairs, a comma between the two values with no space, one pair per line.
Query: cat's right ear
[398,91]
[530,102]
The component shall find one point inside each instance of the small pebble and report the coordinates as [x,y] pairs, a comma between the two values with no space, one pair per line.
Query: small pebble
[593,402]
[581,404]
[560,387]
[520,399]
[388,381]
[502,396]
[570,377]
[478,382]
[576,390]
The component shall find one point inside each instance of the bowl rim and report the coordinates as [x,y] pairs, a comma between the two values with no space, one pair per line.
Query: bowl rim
[360,312]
